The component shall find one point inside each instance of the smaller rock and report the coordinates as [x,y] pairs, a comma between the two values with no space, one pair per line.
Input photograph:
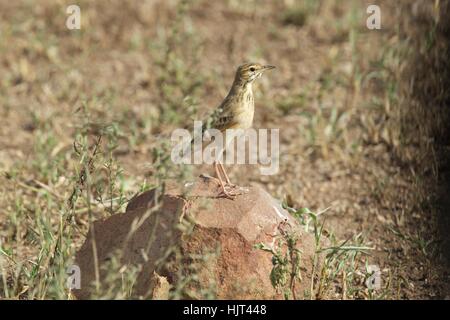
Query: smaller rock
[159,287]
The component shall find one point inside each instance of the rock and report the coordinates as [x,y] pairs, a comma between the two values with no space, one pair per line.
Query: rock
[159,287]
[201,245]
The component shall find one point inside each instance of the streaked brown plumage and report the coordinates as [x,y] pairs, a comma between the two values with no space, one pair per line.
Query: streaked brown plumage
[236,111]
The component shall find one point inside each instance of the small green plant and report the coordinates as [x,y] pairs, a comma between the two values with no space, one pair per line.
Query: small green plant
[286,259]
[339,259]
[328,262]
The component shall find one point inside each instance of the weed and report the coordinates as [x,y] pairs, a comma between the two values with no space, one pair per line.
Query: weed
[338,258]
[286,258]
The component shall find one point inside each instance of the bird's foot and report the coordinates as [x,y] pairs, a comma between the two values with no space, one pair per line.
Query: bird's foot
[231,191]
[227,194]
[236,188]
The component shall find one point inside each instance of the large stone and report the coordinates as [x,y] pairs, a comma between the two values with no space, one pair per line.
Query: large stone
[193,243]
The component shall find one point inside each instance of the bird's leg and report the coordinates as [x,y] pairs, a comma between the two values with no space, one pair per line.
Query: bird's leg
[224,191]
[222,168]
[235,189]
[227,179]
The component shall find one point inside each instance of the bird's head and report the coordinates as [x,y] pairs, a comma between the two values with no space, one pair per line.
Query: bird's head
[248,72]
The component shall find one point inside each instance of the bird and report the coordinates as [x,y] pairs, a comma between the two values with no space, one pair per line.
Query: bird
[235,112]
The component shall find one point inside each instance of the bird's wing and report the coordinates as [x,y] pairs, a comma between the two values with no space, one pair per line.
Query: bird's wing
[223,117]
[225,121]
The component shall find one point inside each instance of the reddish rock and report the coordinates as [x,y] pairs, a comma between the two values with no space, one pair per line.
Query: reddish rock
[196,243]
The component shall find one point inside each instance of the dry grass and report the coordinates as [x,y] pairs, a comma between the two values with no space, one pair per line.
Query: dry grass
[363,117]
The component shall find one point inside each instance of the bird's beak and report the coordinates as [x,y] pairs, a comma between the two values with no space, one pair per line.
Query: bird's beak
[268,67]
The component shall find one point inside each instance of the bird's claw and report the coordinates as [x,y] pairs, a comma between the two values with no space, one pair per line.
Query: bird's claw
[231,191]
[227,195]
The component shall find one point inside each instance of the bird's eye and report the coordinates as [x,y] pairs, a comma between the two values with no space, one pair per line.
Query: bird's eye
[252,69]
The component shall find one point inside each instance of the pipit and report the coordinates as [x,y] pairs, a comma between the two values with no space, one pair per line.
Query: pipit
[235,112]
